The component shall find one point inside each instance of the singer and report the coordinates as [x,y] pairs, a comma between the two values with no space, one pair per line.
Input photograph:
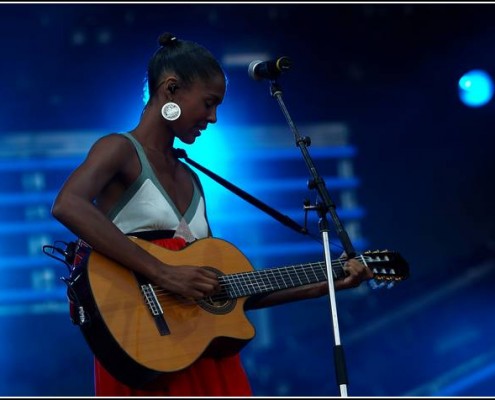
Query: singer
[132,184]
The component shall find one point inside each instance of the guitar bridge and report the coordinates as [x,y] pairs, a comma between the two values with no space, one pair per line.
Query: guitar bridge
[151,300]
[153,304]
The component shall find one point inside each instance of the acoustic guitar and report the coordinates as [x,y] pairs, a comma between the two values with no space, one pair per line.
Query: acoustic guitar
[138,331]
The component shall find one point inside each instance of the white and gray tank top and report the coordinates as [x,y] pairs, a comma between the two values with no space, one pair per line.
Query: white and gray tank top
[146,206]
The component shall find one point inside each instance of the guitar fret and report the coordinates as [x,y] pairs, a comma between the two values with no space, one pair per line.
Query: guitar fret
[306,275]
[272,273]
[322,269]
[308,279]
[266,282]
[248,288]
[256,283]
[236,288]
[338,271]
[282,277]
[290,273]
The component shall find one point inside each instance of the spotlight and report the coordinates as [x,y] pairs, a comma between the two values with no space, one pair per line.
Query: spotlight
[475,88]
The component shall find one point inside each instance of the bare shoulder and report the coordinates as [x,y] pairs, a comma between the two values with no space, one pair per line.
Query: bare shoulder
[113,140]
[112,145]
[108,155]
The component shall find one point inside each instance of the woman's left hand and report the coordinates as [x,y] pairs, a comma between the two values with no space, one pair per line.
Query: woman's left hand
[356,273]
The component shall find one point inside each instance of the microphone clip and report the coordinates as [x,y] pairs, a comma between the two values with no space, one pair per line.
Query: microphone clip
[270,70]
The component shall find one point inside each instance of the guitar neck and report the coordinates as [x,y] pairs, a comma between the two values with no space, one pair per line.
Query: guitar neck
[272,279]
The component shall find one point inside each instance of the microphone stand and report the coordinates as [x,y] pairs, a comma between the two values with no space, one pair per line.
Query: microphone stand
[327,206]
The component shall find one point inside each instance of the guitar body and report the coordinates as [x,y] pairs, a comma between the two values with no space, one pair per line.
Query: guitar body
[139,332]
[134,344]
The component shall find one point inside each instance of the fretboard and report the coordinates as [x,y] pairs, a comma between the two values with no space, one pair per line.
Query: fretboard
[272,279]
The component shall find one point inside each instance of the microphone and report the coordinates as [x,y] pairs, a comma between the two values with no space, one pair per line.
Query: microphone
[268,69]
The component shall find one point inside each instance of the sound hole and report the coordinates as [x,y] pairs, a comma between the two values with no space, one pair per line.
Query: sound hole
[220,303]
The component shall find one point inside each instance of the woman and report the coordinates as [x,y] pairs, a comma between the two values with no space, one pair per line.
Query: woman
[133,183]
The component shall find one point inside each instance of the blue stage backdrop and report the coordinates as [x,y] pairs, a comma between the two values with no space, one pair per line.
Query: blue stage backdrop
[379,89]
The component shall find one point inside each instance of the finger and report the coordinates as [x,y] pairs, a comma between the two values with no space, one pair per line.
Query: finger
[207,271]
[212,278]
[201,291]
[208,288]
[357,268]
[195,294]
[360,269]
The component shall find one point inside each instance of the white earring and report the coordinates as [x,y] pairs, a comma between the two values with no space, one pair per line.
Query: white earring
[171,111]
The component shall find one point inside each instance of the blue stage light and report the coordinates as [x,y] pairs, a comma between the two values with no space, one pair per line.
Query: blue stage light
[475,88]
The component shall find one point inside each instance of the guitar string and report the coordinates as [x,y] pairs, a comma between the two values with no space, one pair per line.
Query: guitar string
[254,280]
[235,279]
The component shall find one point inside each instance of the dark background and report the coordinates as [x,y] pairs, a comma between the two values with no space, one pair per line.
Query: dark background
[389,73]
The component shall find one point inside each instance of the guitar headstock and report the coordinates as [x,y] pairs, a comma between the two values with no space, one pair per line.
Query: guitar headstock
[387,266]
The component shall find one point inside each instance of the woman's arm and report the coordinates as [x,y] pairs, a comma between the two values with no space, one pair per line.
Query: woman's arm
[356,274]
[74,207]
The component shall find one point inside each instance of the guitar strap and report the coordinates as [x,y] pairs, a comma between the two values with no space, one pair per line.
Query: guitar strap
[180,153]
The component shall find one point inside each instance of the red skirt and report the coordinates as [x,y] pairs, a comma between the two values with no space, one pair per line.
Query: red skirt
[205,377]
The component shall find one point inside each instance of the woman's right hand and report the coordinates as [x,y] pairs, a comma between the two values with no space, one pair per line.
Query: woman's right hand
[188,281]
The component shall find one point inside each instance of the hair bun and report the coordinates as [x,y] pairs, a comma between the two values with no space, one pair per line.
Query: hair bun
[167,39]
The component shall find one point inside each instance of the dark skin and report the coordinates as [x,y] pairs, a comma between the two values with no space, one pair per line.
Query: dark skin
[112,165]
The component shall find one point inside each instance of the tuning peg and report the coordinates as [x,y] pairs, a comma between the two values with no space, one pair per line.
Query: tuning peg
[374,285]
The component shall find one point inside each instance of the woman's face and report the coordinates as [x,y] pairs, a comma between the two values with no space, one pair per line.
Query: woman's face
[198,103]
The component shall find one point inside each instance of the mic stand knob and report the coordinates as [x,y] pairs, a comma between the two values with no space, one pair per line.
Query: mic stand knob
[306,140]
